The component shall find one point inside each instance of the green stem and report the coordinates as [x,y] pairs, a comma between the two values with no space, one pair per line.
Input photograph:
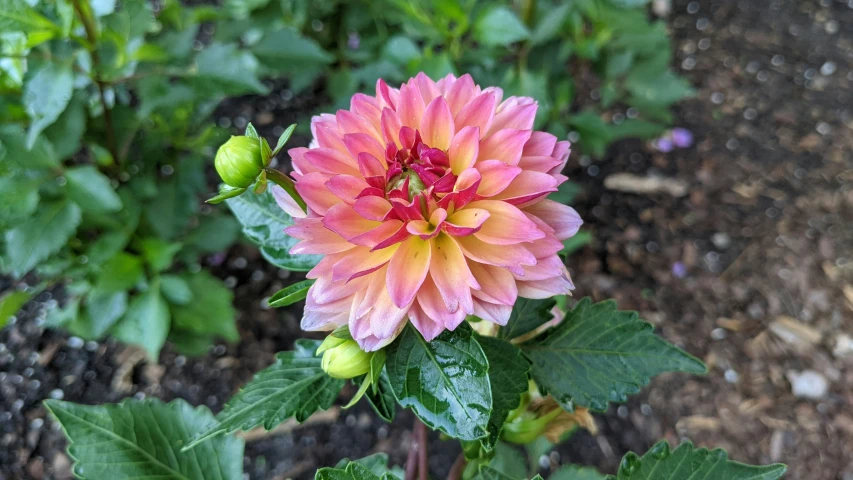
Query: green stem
[287,184]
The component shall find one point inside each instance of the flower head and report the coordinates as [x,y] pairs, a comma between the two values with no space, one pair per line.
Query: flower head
[428,202]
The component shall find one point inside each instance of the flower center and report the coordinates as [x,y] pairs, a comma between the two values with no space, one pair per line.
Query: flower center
[416,167]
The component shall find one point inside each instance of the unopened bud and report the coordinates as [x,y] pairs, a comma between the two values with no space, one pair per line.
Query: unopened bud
[239,161]
[344,358]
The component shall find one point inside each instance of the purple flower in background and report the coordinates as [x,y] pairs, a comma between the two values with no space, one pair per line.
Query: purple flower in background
[664,144]
[679,270]
[353,41]
[681,137]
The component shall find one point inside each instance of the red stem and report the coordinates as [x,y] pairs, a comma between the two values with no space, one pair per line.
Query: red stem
[412,460]
[421,430]
[457,468]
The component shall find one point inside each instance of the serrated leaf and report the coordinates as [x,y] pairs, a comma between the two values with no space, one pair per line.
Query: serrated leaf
[68,129]
[92,190]
[120,273]
[381,398]
[508,461]
[42,235]
[103,309]
[19,198]
[158,253]
[146,322]
[575,472]
[352,471]
[499,26]
[445,381]
[291,294]
[227,70]
[599,354]
[143,439]
[527,315]
[210,312]
[294,386]
[10,303]
[47,91]
[550,25]
[176,289]
[508,378]
[690,463]
[485,472]
[264,223]
[300,51]
[13,140]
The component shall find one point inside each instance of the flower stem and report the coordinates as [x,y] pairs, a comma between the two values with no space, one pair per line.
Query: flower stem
[287,184]
[421,430]
[457,468]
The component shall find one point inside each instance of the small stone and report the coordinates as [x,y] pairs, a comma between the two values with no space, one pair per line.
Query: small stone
[808,384]
[75,342]
[797,334]
[843,345]
[721,240]
[731,376]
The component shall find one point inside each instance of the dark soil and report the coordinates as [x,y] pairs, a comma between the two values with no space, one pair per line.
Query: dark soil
[764,237]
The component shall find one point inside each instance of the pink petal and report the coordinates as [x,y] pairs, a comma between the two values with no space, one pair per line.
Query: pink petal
[361,261]
[349,122]
[545,268]
[507,225]
[437,124]
[315,237]
[407,270]
[517,117]
[427,86]
[466,222]
[464,149]
[312,188]
[424,323]
[464,190]
[370,166]
[526,187]
[560,285]
[346,187]
[563,219]
[497,285]
[479,112]
[538,163]
[366,107]
[505,145]
[387,97]
[460,93]
[491,312]
[326,291]
[287,203]
[331,161]
[391,127]
[358,143]
[512,257]
[380,236]
[449,270]
[411,106]
[427,230]
[346,222]
[434,307]
[540,144]
[496,176]
[372,207]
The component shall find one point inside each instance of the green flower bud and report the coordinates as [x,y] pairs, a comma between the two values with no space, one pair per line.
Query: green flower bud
[526,427]
[344,358]
[239,161]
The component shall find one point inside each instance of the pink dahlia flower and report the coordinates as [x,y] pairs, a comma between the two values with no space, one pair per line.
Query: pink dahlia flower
[429,205]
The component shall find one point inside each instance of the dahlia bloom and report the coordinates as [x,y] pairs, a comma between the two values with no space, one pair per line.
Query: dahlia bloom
[428,202]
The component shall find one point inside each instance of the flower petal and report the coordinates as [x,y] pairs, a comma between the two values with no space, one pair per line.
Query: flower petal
[466,221]
[506,225]
[479,112]
[349,122]
[346,187]
[434,307]
[563,219]
[357,143]
[346,222]
[511,257]
[505,145]
[407,270]
[496,176]
[411,106]
[449,270]
[424,323]
[361,261]
[331,161]
[437,124]
[460,93]
[312,189]
[526,187]
[497,285]
[464,149]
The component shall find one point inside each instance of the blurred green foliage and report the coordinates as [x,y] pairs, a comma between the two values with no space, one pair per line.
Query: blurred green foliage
[104,140]
[600,68]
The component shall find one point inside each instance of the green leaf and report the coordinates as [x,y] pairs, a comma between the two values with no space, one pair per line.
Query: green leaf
[371,467]
[381,398]
[47,91]
[576,242]
[104,309]
[400,50]
[599,354]
[68,129]
[10,303]
[690,463]
[575,472]
[210,311]
[14,141]
[294,386]
[300,51]
[176,290]
[264,223]
[508,379]
[229,71]
[92,190]
[146,322]
[499,26]
[214,233]
[158,253]
[143,440]
[487,472]
[566,193]
[283,138]
[291,294]
[508,461]
[445,381]
[527,315]
[19,198]
[40,236]
[120,273]
[550,26]
[106,247]
[352,471]
[18,16]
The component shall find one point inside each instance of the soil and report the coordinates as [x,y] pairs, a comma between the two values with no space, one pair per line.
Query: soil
[748,270]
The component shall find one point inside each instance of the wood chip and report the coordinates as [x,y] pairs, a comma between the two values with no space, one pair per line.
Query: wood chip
[848,294]
[794,333]
[730,324]
[626,182]
[698,423]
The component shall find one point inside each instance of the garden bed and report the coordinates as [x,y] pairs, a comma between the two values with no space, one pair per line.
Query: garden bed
[759,236]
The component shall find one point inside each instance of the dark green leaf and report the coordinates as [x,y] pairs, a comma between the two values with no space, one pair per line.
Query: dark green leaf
[445,381]
[106,247]
[527,315]
[158,253]
[47,91]
[146,322]
[566,193]
[599,354]
[575,472]
[499,26]
[103,309]
[176,196]
[576,242]
[382,399]
[143,440]
[283,138]
[294,386]
[19,198]
[264,223]
[690,463]
[291,294]
[401,50]
[352,471]
[176,290]
[214,233]
[120,273]
[19,16]
[42,235]
[508,379]
[210,311]
[300,51]
[92,190]
[227,70]
[486,472]
[14,141]
[509,461]
[550,25]
[10,303]
[66,132]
